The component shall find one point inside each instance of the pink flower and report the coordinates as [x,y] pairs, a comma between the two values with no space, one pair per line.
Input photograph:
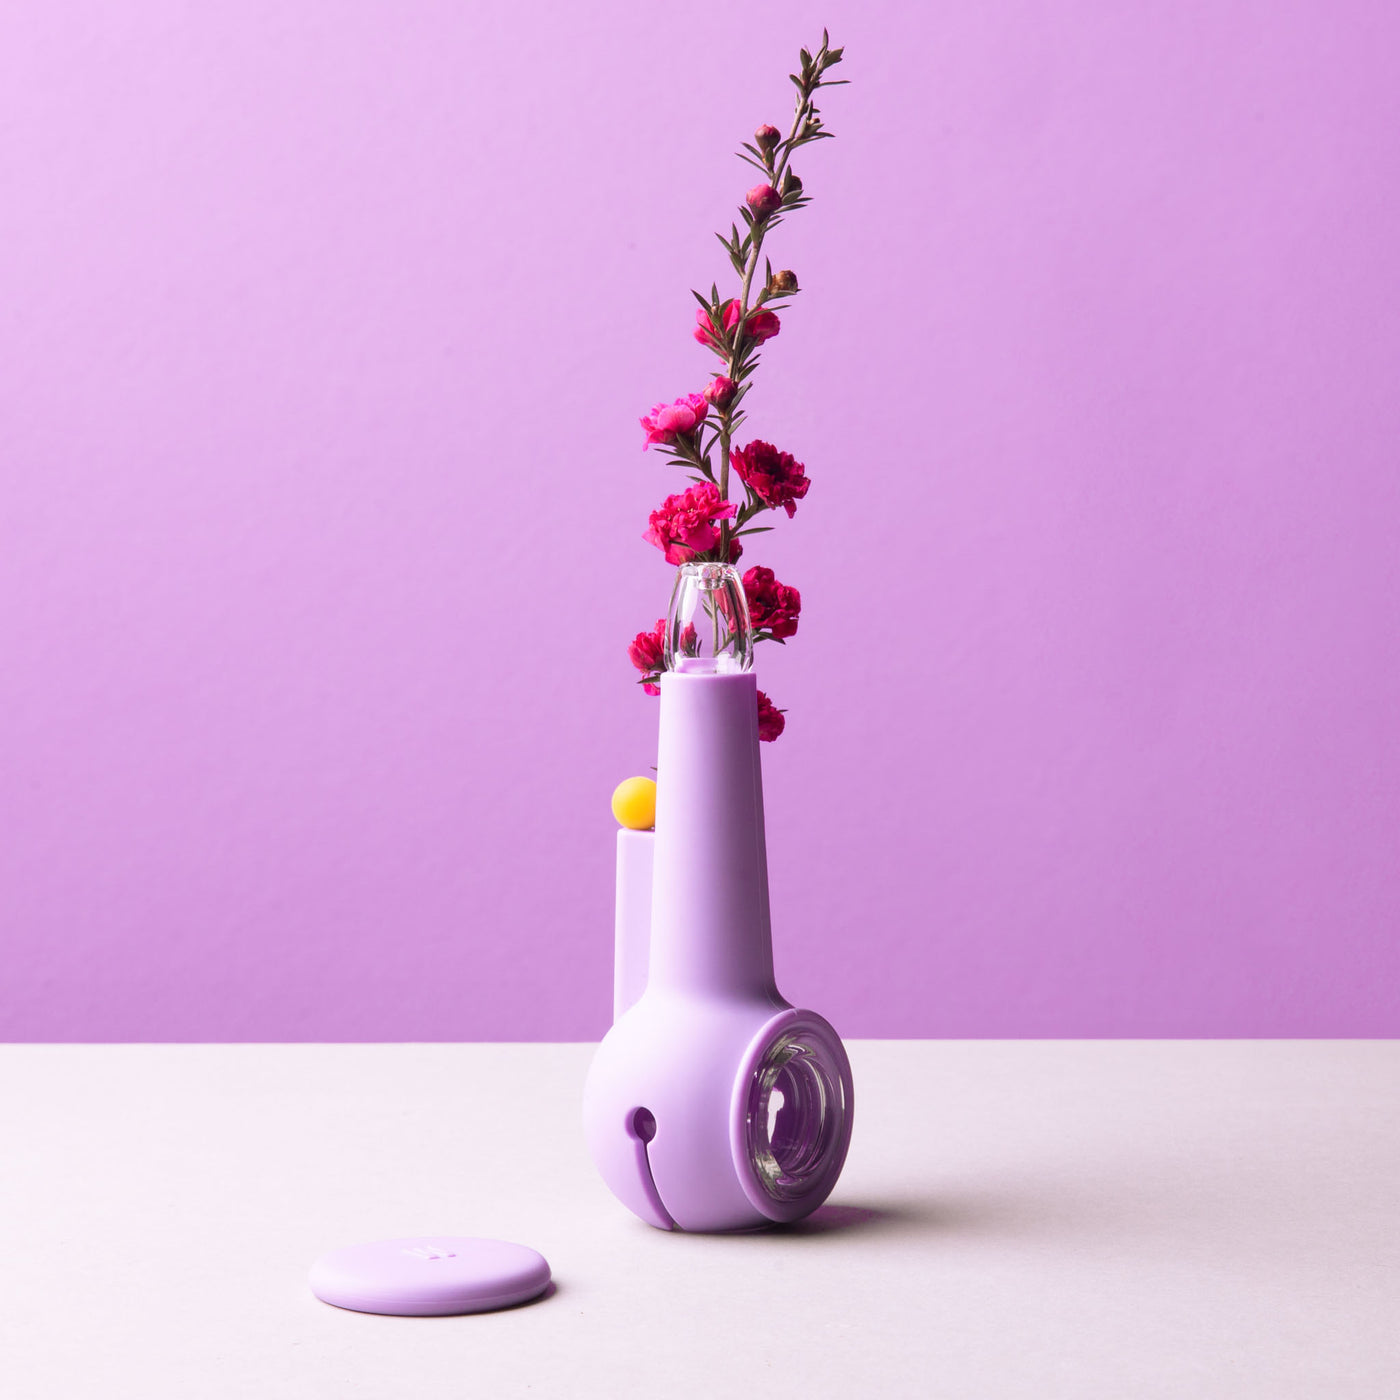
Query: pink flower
[705,331]
[665,421]
[770,719]
[764,200]
[648,654]
[685,524]
[767,137]
[773,606]
[758,326]
[776,478]
[761,326]
[720,391]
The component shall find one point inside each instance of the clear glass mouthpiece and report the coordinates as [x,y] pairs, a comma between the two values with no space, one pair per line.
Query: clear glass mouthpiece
[707,627]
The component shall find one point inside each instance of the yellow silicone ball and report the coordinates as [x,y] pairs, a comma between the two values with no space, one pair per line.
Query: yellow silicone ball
[634,803]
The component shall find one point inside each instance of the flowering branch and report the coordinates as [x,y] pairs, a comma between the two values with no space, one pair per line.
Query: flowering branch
[761,212]
[702,523]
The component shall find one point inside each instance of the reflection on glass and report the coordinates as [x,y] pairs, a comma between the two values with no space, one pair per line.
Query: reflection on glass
[795,1114]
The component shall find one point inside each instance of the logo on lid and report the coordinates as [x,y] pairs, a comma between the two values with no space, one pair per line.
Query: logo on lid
[429,1251]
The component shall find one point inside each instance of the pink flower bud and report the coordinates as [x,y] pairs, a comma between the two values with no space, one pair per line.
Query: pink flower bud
[767,137]
[720,391]
[763,200]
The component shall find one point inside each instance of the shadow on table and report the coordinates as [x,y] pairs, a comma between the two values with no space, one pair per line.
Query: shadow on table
[946,1213]
[902,1216]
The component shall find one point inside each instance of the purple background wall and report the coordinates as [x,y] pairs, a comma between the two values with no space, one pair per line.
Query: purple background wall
[326,328]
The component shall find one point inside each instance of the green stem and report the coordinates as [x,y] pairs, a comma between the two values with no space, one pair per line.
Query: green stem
[760,227]
[724,482]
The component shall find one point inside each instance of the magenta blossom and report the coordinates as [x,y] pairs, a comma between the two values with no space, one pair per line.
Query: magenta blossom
[776,478]
[705,331]
[648,654]
[761,326]
[773,607]
[667,420]
[770,719]
[686,524]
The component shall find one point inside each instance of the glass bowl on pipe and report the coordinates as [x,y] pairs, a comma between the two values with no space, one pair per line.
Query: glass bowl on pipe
[707,625]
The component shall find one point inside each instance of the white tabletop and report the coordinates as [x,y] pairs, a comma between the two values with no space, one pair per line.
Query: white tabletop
[1032,1219]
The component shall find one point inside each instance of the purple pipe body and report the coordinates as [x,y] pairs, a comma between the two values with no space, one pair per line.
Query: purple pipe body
[679,1103]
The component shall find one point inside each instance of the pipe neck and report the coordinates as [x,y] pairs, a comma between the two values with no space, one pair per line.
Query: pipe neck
[710,931]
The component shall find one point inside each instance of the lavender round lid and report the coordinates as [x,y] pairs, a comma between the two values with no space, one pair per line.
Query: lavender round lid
[430,1276]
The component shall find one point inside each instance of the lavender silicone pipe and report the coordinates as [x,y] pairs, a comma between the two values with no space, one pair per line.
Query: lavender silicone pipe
[711,1104]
